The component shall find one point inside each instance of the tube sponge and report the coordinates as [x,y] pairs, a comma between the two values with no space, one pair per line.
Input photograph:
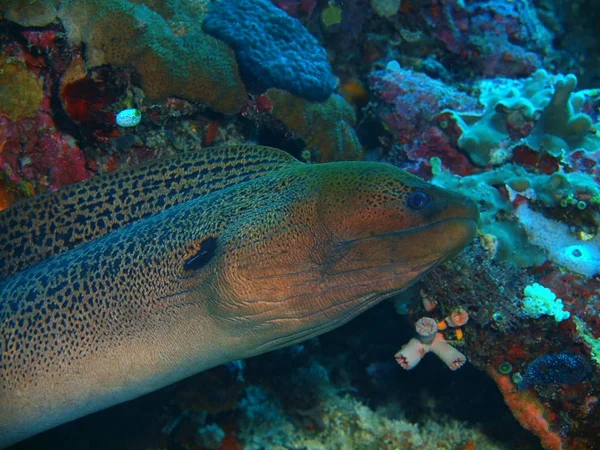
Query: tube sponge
[428,340]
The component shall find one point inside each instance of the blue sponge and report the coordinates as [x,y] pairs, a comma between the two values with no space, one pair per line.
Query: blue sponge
[272,48]
[555,368]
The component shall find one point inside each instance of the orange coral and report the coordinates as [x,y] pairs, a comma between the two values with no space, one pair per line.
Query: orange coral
[456,318]
[10,193]
[528,410]
[354,92]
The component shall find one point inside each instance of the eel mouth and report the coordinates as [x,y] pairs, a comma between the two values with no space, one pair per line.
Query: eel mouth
[459,221]
[453,234]
[423,246]
[455,228]
[459,230]
[419,248]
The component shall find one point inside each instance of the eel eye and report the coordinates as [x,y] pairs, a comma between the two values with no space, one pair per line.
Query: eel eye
[417,200]
[203,255]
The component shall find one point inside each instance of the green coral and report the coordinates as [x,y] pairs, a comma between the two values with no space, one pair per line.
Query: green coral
[326,127]
[562,126]
[496,217]
[591,342]
[498,213]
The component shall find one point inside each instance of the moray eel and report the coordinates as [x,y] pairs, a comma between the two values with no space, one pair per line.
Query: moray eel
[132,280]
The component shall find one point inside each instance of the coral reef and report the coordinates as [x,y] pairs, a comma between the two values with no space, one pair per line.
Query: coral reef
[34,152]
[498,100]
[499,38]
[273,49]
[501,219]
[327,128]
[163,41]
[555,368]
[409,103]
[529,411]
[347,423]
[410,100]
[21,92]
[542,112]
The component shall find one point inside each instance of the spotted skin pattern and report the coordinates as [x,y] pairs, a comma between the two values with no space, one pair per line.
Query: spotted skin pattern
[48,225]
[110,309]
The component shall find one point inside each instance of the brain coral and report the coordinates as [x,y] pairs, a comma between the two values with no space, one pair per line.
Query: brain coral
[162,40]
[273,49]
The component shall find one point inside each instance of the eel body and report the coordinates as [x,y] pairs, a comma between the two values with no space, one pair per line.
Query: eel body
[130,281]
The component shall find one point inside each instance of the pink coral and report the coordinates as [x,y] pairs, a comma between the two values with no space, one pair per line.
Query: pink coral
[411,353]
[426,328]
[451,356]
[457,318]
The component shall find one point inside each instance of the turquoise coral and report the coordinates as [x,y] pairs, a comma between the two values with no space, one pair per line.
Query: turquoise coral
[542,111]
[499,217]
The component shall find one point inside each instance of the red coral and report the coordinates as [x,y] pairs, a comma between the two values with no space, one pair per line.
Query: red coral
[86,99]
[582,161]
[295,7]
[526,156]
[34,150]
[43,39]
[435,143]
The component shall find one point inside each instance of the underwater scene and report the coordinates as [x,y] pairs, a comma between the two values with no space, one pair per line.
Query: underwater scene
[299,224]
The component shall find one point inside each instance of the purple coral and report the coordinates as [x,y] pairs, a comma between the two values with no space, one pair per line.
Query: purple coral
[412,99]
[272,48]
[501,38]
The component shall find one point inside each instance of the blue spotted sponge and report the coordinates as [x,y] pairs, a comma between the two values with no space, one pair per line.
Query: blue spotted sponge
[555,368]
[272,48]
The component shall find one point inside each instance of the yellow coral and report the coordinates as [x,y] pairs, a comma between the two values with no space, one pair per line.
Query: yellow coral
[30,13]
[21,91]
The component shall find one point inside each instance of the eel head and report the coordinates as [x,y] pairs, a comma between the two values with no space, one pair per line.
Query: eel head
[327,242]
